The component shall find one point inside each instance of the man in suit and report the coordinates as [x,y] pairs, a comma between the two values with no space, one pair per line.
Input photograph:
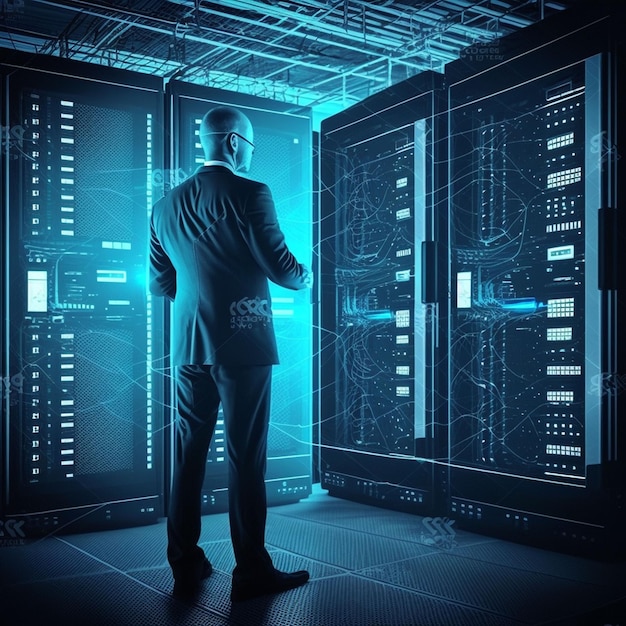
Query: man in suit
[214,242]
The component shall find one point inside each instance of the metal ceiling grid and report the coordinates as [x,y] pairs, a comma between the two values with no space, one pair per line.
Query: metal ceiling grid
[308,52]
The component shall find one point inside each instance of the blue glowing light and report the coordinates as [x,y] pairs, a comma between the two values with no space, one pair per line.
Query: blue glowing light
[380,316]
[522,305]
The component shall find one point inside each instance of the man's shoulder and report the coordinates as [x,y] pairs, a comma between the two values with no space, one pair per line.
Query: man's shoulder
[250,183]
[247,189]
[230,182]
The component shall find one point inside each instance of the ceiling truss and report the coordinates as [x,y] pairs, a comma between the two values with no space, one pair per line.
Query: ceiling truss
[309,52]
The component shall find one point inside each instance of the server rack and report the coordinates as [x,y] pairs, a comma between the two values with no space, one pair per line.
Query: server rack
[82,420]
[6,387]
[537,300]
[379,308]
[283,160]
[316,415]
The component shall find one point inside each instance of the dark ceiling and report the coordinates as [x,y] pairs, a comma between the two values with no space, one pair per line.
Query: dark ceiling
[320,53]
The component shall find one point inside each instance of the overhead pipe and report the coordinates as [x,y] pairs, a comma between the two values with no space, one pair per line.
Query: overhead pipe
[88,8]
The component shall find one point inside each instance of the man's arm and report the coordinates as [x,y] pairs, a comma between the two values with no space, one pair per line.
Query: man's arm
[267,242]
[162,272]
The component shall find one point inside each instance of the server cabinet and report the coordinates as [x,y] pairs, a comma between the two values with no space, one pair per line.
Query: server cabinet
[379,341]
[282,160]
[82,410]
[536,373]
[6,386]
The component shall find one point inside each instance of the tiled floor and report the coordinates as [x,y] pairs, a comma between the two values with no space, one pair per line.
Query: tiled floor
[369,567]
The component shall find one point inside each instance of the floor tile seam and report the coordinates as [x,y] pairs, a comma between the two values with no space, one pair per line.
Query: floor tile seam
[388,563]
[341,573]
[230,620]
[420,593]
[553,553]
[210,541]
[478,542]
[196,604]
[431,551]
[156,590]
[359,573]
[561,621]
[275,548]
[62,577]
[363,574]
[354,530]
[308,558]
[527,570]
[442,599]
[114,568]
[164,566]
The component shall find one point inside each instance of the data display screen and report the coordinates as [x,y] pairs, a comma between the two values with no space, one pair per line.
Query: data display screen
[518,324]
[86,427]
[377,325]
[379,227]
[283,161]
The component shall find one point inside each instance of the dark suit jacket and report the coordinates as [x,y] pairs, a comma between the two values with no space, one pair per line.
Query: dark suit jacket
[214,241]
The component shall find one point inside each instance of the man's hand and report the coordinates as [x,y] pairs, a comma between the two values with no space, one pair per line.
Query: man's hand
[307,276]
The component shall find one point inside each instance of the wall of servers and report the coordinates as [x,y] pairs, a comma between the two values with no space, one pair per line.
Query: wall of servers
[470,298]
[86,378]
[468,304]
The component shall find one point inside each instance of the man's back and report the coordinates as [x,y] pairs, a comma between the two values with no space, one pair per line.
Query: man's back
[215,240]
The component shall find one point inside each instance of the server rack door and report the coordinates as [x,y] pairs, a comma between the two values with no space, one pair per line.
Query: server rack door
[83,431]
[282,160]
[377,334]
[7,388]
[528,327]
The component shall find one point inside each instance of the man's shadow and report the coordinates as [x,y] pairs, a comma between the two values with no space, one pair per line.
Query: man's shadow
[251,612]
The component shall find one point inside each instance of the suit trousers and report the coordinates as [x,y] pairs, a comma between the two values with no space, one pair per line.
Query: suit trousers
[244,392]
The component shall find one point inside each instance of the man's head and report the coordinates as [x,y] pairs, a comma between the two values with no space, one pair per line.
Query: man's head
[226,135]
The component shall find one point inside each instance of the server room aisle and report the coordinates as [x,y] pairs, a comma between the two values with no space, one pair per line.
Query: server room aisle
[369,567]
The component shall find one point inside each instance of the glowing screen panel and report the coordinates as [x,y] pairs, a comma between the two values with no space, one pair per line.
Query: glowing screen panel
[282,160]
[379,227]
[376,335]
[85,428]
[519,271]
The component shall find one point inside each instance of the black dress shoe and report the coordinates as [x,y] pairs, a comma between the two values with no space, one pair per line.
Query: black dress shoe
[187,584]
[268,584]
